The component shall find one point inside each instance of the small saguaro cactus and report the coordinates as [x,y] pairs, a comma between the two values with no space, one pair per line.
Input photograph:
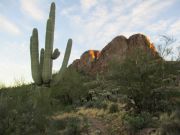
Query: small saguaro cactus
[42,69]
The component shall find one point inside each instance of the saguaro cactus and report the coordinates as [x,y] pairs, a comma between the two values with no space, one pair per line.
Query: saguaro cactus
[42,70]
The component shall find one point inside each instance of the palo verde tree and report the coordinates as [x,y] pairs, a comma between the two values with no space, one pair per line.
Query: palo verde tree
[142,79]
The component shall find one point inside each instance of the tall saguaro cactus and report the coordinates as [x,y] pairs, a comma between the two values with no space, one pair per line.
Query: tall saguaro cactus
[42,69]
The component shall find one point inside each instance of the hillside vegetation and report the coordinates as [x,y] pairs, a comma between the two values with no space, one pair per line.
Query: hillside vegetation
[138,96]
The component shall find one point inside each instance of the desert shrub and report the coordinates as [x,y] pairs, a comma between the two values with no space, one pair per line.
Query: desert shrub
[3,114]
[24,111]
[89,104]
[25,120]
[140,76]
[113,108]
[137,122]
[170,123]
[73,126]
[70,88]
[170,128]
[55,125]
[99,104]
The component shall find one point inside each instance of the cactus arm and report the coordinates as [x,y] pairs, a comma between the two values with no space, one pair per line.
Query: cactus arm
[41,60]
[59,75]
[46,75]
[67,55]
[34,52]
[55,54]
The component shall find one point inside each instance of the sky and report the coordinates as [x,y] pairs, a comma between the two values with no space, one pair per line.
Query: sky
[91,24]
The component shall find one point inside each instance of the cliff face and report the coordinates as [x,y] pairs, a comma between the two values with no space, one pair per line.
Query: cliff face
[94,61]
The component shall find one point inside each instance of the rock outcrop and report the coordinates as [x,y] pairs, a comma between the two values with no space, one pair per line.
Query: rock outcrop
[94,61]
[86,61]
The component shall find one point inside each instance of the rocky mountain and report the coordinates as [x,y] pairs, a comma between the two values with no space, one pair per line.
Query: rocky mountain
[94,61]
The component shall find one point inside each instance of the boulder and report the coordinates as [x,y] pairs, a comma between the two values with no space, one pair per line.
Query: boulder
[86,61]
[94,61]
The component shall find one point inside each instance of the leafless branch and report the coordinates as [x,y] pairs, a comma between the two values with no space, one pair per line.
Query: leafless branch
[164,49]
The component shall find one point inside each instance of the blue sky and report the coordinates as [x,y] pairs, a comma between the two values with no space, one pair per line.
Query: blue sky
[90,23]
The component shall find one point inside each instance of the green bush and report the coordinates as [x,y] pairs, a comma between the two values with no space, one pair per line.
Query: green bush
[70,88]
[113,108]
[140,76]
[96,104]
[170,124]
[170,128]
[137,122]
[24,111]
[56,125]
[73,126]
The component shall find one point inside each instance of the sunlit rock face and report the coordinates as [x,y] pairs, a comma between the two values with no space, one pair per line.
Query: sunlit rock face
[115,50]
[86,61]
[93,61]
[142,42]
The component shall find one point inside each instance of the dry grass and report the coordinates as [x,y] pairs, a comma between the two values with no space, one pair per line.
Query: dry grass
[92,112]
[100,120]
